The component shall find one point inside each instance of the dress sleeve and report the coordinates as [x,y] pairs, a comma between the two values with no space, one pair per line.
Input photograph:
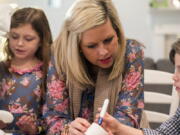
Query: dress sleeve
[131,97]
[56,108]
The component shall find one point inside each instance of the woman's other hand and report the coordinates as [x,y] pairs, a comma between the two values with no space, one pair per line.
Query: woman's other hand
[78,126]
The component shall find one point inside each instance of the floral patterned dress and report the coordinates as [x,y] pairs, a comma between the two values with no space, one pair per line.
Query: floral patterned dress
[20,94]
[129,106]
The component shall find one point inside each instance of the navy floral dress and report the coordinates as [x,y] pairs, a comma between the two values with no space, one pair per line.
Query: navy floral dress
[131,97]
[20,94]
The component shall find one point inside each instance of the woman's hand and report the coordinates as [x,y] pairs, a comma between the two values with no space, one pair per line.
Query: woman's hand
[78,126]
[2,124]
[114,127]
[110,124]
[27,124]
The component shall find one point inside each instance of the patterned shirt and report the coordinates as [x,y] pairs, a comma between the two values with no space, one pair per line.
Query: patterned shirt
[170,127]
[129,105]
[20,94]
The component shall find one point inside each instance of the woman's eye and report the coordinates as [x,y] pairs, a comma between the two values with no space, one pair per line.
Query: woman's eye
[108,40]
[91,46]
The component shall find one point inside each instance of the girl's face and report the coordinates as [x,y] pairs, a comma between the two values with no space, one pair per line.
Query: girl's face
[99,45]
[23,42]
[176,76]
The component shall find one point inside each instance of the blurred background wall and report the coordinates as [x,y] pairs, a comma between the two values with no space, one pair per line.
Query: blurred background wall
[155,28]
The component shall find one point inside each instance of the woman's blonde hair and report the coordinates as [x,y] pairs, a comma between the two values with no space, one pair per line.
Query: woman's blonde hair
[84,15]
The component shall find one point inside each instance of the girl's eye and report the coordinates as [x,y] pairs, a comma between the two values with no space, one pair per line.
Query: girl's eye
[29,39]
[14,36]
[108,40]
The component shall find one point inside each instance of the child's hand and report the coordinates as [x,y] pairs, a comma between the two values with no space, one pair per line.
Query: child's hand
[2,124]
[27,124]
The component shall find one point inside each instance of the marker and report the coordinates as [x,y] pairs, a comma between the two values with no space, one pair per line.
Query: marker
[103,111]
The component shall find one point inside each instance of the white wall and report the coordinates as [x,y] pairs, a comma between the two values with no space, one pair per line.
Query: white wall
[135,16]
[54,15]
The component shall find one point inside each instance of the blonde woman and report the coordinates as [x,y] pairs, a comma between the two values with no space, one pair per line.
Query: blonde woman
[94,61]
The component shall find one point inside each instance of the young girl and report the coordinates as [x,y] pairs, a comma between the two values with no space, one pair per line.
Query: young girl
[22,85]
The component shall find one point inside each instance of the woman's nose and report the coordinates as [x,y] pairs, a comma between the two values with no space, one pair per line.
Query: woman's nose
[102,50]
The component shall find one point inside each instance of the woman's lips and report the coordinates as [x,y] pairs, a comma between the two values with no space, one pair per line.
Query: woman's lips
[106,61]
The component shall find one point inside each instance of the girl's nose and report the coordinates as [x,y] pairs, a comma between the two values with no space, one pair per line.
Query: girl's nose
[20,42]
